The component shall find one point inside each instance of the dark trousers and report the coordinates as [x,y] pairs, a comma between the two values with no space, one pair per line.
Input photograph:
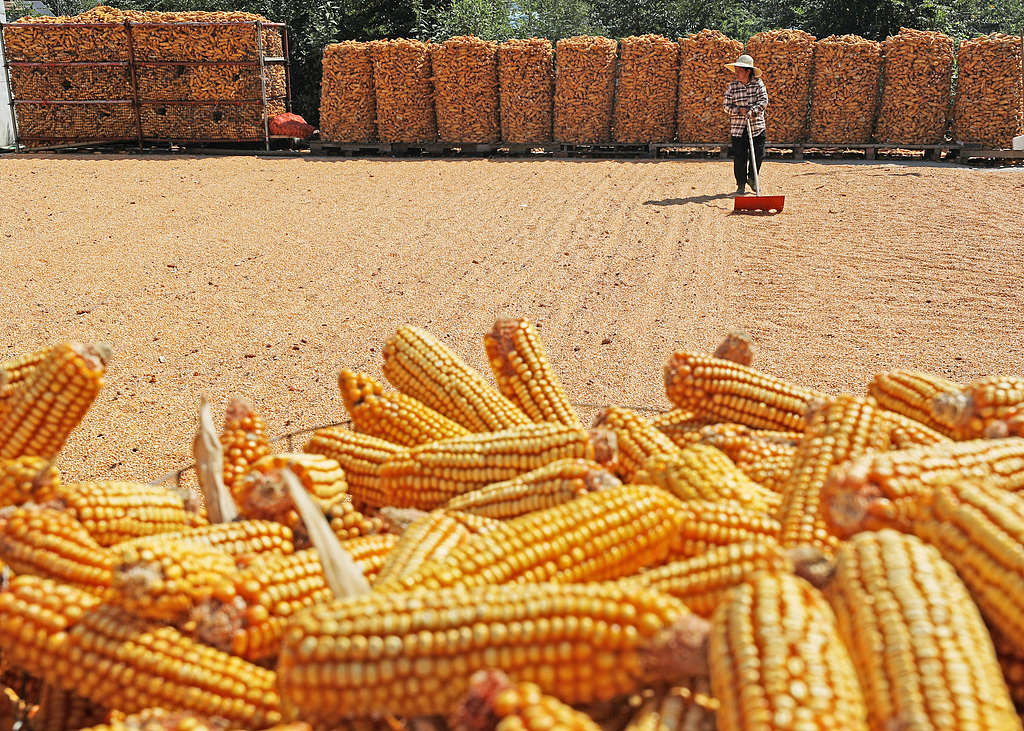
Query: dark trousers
[742,165]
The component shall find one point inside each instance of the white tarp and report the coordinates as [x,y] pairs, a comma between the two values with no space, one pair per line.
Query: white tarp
[6,123]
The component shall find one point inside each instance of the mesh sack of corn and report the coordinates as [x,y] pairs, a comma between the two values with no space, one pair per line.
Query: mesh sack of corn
[466,90]
[208,36]
[845,85]
[203,121]
[75,122]
[918,74]
[526,81]
[989,102]
[405,94]
[584,89]
[62,38]
[786,58]
[71,83]
[702,82]
[645,97]
[348,101]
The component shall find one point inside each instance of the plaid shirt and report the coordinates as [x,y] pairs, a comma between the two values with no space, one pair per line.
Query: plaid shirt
[753,95]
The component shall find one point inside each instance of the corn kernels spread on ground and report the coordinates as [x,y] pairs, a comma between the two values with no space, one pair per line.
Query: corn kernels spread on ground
[469,550]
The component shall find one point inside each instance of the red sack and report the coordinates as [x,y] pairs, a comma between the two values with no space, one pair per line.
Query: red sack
[291,125]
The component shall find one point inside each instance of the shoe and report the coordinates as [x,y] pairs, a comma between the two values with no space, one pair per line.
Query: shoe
[742,190]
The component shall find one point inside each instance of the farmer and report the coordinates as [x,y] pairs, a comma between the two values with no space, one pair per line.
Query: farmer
[746,98]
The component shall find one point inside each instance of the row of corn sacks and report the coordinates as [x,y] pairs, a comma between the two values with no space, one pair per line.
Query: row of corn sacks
[467,554]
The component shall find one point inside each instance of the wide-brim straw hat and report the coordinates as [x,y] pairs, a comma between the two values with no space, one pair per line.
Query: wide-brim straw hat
[745,62]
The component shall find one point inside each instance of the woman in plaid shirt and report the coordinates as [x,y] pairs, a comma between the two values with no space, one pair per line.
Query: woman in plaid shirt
[746,98]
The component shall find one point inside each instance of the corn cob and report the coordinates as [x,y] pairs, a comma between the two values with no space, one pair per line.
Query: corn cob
[67,638]
[900,477]
[238,538]
[14,372]
[702,472]
[421,366]
[244,438]
[679,425]
[165,579]
[684,707]
[247,612]
[777,662]
[263,494]
[912,393]
[1011,662]
[50,543]
[720,390]
[701,582]
[113,512]
[395,417]
[160,719]
[411,653]
[475,524]
[348,522]
[52,401]
[427,540]
[922,652]
[602,535]
[553,484]
[360,456]
[982,408]
[906,433]
[737,347]
[494,702]
[427,476]
[59,710]
[524,375]
[843,429]
[744,445]
[27,479]
[771,473]
[704,525]
[636,439]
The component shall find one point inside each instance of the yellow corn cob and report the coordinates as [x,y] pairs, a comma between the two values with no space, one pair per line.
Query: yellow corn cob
[899,477]
[113,512]
[165,579]
[636,439]
[679,425]
[701,582]
[52,401]
[923,655]
[67,638]
[262,492]
[495,702]
[59,710]
[744,445]
[244,438]
[238,538]
[553,484]
[983,407]
[475,524]
[421,366]
[736,347]
[777,661]
[27,479]
[720,390]
[683,707]
[427,476]
[602,535]
[523,373]
[160,719]
[411,653]
[247,612]
[840,430]
[398,418]
[347,521]
[906,433]
[771,473]
[702,472]
[428,539]
[13,374]
[360,456]
[705,524]
[912,393]
[50,543]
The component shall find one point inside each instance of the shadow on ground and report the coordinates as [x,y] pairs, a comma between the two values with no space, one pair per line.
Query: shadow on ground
[692,199]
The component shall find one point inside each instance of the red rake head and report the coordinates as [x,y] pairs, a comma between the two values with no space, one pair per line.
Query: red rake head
[759,203]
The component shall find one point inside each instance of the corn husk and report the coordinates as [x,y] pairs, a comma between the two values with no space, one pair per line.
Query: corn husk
[646,94]
[845,89]
[703,79]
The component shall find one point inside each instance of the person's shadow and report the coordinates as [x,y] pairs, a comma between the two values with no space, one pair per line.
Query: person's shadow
[691,199]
